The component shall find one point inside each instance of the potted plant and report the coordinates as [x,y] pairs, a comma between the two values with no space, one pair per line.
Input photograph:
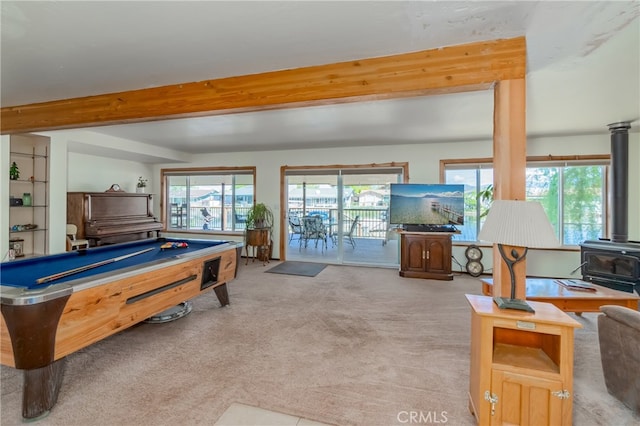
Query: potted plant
[14,172]
[485,197]
[259,216]
[142,184]
[258,231]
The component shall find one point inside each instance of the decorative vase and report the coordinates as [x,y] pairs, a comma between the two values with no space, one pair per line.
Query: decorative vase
[26,199]
[140,189]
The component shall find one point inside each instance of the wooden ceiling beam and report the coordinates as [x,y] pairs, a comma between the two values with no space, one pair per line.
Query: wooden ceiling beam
[474,66]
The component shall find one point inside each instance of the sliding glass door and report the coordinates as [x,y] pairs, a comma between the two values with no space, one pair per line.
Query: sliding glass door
[340,215]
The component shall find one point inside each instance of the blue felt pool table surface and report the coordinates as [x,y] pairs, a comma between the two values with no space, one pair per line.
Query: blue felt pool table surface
[24,273]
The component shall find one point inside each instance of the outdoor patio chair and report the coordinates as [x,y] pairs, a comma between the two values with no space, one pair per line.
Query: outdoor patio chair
[313,229]
[295,228]
[348,234]
[348,237]
[240,218]
[207,218]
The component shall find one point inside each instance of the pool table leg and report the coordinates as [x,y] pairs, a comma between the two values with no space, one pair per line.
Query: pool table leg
[41,388]
[223,294]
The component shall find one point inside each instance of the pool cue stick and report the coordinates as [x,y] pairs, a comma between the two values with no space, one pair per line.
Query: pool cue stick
[87,267]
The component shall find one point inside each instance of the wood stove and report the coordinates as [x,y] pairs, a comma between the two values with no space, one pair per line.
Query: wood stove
[613,265]
[615,262]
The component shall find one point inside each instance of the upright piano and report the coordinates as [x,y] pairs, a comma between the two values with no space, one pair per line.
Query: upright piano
[112,217]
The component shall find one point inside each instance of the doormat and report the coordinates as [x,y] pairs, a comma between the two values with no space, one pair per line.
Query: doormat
[307,269]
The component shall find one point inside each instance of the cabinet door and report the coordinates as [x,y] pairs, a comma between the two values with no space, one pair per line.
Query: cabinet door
[413,256]
[438,259]
[526,400]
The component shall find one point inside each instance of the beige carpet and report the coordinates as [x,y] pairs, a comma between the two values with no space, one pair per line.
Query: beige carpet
[352,346]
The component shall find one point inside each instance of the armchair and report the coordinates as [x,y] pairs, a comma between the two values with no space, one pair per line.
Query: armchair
[619,338]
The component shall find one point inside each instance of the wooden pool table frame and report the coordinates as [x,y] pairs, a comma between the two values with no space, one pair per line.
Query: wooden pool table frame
[36,337]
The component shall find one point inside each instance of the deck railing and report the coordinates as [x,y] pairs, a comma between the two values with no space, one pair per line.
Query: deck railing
[372,222]
[192,218]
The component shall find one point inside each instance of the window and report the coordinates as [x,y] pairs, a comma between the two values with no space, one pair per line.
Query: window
[215,199]
[572,193]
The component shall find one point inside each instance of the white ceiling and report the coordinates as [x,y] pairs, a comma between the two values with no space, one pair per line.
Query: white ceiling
[583,64]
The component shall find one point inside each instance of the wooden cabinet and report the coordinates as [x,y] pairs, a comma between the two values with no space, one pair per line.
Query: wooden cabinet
[521,368]
[425,255]
[29,195]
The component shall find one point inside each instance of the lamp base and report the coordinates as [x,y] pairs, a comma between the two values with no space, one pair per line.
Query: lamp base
[508,303]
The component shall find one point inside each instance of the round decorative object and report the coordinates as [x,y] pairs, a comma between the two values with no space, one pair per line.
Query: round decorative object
[115,188]
[473,252]
[171,314]
[474,268]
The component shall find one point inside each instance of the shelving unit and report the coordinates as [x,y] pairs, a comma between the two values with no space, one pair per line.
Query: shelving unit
[29,222]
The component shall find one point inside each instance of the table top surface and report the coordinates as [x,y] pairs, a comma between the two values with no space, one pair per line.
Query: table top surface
[548,288]
[24,273]
[544,312]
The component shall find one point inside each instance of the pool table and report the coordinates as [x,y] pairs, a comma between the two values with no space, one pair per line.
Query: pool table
[123,285]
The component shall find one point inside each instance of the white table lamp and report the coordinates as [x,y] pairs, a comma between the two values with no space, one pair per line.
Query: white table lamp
[521,224]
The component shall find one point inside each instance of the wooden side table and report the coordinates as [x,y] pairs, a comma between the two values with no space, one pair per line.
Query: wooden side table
[259,239]
[521,368]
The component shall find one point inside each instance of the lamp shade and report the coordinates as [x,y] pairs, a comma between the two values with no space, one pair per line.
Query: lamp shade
[518,223]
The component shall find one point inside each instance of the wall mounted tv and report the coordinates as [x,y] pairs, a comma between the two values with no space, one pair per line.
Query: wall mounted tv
[426,204]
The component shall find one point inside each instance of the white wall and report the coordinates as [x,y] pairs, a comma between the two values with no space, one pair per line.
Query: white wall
[87,172]
[424,167]
[90,173]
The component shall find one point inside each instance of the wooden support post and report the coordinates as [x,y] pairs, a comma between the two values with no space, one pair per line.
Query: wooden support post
[509,168]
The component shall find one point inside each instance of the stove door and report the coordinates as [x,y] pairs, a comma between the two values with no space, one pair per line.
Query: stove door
[611,269]
[611,265]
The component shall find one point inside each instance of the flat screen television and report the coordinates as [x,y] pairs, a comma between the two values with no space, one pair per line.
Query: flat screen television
[426,204]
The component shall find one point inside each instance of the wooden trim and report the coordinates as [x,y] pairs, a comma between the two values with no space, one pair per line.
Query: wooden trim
[467,67]
[284,226]
[189,170]
[530,159]
[283,190]
[482,160]
[400,165]
[568,157]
